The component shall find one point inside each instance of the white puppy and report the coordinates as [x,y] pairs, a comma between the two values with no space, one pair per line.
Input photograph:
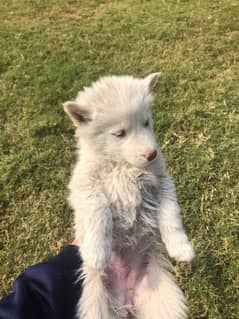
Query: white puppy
[125,205]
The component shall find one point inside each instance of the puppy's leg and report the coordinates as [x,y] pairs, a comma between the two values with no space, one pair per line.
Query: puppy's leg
[93,230]
[96,302]
[157,296]
[170,223]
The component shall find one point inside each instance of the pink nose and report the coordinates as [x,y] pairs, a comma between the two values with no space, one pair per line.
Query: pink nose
[150,155]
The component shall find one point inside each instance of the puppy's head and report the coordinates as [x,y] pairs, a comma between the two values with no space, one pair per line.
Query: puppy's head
[113,118]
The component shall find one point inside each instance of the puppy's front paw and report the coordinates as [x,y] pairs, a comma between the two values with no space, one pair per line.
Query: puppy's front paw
[181,251]
[96,257]
[95,260]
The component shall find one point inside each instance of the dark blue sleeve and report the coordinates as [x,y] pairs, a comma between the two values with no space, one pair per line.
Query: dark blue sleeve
[47,290]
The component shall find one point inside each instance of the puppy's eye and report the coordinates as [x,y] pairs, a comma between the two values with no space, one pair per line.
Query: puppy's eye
[146,123]
[120,133]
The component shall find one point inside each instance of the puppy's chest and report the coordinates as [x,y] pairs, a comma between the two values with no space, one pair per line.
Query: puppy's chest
[133,198]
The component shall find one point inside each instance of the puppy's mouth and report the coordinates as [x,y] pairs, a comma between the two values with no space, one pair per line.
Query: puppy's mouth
[151,159]
[144,164]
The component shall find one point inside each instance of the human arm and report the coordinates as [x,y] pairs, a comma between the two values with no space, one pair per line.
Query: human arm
[47,290]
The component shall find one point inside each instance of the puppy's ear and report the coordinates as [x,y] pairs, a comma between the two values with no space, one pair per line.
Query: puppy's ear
[78,114]
[151,80]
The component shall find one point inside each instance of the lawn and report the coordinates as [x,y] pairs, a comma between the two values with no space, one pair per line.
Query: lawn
[49,51]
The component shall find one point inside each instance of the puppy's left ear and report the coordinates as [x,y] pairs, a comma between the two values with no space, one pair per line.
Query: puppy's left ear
[78,114]
[151,80]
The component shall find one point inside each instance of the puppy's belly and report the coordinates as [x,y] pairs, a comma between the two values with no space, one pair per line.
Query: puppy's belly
[124,272]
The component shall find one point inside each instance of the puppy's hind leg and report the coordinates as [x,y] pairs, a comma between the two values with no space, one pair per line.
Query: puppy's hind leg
[95,302]
[157,296]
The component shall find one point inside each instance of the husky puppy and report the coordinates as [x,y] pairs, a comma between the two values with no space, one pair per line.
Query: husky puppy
[125,205]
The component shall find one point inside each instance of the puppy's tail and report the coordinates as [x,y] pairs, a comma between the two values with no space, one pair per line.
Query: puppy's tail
[94,302]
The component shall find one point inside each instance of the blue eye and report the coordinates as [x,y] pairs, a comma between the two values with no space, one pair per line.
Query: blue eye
[146,123]
[120,133]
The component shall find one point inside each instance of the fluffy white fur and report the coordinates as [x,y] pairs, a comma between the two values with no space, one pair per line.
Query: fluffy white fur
[120,198]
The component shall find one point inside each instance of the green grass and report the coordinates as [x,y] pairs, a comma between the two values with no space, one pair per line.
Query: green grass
[50,50]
